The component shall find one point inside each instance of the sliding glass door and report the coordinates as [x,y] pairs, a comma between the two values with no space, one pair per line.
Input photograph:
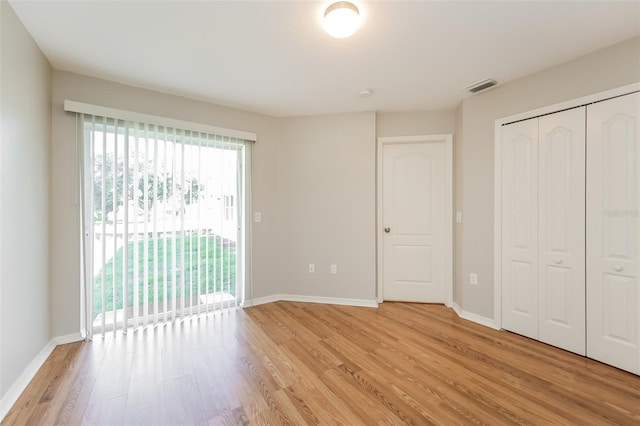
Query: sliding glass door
[164,213]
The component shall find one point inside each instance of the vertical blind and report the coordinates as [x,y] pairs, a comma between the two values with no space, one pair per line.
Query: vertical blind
[163,215]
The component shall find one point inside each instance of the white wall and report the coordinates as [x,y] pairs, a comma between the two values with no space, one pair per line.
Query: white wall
[327,182]
[65,214]
[613,67]
[25,112]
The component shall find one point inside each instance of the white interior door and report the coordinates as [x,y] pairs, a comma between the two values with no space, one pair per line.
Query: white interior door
[561,236]
[414,203]
[613,185]
[520,227]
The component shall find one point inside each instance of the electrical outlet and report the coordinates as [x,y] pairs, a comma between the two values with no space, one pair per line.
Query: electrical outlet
[334,269]
[473,279]
[312,268]
[458,217]
[257,217]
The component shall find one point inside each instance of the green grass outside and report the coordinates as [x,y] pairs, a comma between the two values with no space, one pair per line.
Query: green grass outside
[221,267]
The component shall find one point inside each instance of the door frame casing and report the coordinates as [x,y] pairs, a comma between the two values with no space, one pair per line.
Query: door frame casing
[497,175]
[447,140]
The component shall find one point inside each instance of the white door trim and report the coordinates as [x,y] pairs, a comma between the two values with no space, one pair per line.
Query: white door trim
[497,175]
[447,140]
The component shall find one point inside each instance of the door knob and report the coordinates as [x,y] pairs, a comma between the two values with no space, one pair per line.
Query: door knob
[387,230]
[618,268]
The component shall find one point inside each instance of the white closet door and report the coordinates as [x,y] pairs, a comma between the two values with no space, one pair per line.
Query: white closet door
[561,237]
[520,227]
[613,232]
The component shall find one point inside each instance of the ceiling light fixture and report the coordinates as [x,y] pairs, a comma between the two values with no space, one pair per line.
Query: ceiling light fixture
[341,19]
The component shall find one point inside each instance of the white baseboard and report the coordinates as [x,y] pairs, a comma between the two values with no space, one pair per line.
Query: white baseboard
[14,392]
[311,299]
[69,338]
[457,309]
[478,319]
[364,303]
[261,300]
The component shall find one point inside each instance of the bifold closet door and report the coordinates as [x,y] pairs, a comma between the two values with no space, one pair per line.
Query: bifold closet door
[520,227]
[613,232]
[543,216]
[561,236]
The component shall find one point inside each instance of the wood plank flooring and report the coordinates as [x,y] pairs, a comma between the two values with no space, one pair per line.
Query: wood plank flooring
[297,363]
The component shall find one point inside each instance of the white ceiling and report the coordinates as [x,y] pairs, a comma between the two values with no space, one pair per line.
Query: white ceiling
[273,56]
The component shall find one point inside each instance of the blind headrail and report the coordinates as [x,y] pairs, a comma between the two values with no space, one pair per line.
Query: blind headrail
[97,110]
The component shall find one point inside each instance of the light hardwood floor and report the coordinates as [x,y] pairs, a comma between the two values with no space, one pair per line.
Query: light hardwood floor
[295,363]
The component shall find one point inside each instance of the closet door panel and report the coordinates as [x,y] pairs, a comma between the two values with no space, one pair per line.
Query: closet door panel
[561,242]
[520,228]
[613,232]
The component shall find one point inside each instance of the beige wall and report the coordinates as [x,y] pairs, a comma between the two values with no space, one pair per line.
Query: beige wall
[609,68]
[458,191]
[65,214]
[327,178]
[25,87]
[389,124]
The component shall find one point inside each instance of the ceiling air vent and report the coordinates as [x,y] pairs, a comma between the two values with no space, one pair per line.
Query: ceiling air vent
[481,85]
